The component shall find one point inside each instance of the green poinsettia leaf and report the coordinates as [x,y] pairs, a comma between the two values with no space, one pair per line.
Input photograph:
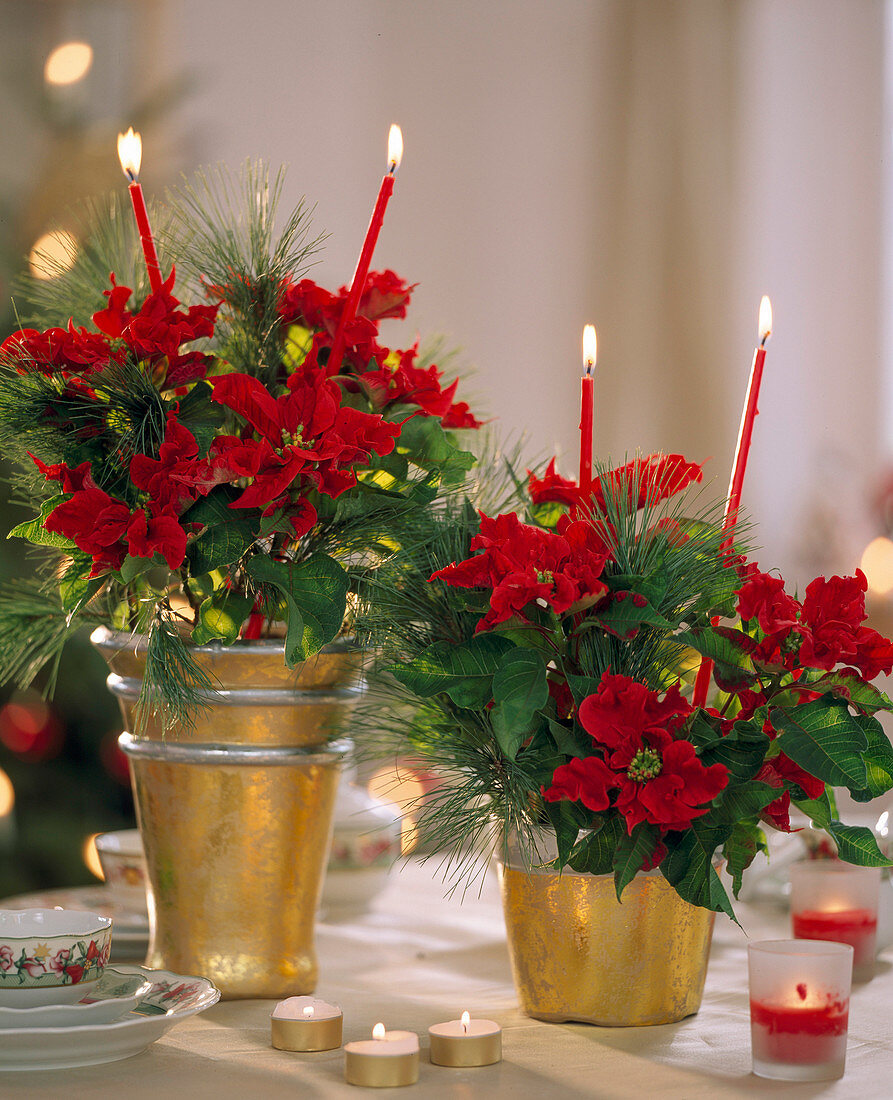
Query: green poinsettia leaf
[624,616]
[563,817]
[857,844]
[520,690]
[425,443]
[465,672]
[848,685]
[742,802]
[76,588]
[594,854]
[742,750]
[34,531]
[824,739]
[221,617]
[818,810]
[583,686]
[571,741]
[688,866]
[878,758]
[740,850]
[316,593]
[632,851]
[652,587]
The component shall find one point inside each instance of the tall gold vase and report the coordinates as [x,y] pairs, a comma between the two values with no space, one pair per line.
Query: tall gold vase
[579,954]
[236,816]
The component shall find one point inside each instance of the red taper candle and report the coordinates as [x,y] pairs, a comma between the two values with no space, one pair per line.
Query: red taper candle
[358,283]
[587,400]
[736,483]
[130,153]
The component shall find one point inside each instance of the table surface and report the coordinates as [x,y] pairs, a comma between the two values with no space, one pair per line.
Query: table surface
[418,958]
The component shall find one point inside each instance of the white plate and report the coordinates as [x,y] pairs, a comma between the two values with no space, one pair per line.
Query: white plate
[115,993]
[171,998]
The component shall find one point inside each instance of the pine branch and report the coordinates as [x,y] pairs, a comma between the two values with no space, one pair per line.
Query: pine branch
[174,686]
[223,236]
[33,632]
[108,241]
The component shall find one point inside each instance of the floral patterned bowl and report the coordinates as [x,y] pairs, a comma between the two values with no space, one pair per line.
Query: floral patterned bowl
[51,952]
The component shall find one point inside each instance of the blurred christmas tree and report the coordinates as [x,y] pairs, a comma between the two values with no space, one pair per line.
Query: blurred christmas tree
[71,77]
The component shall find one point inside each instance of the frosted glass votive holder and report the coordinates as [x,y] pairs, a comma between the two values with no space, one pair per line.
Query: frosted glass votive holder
[799,1008]
[838,902]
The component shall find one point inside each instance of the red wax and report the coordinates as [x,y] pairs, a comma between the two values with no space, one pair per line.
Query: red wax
[733,500]
[358,283]
[146,239]
[795,1034]
[586,403]
[857,927]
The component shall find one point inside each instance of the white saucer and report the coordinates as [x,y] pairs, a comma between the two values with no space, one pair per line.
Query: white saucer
[115,993]
[171,998]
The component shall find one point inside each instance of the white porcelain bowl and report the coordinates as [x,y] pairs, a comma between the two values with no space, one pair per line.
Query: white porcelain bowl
[51,953]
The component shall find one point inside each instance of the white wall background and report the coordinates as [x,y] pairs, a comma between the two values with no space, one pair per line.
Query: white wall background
[651,165]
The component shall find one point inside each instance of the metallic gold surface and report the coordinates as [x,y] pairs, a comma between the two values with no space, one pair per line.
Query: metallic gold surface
[264,701]
[461,1051]
[306,1034]
[375,1071]
[236,852]
[579,954]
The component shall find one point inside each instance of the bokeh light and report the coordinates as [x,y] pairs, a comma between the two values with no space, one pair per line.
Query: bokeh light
[7,794]
[91,856]
[68,63]
[405,788]
[30,727]
[53,254]
[877,565]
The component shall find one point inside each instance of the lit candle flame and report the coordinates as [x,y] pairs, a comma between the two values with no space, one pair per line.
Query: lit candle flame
[466,1020]
[395,148]
[590,349]
[130,153]
[308,1011]
[378,1032]
[765,319]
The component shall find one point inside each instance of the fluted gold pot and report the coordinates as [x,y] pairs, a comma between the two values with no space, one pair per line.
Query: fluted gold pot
[236,816]
[579,954]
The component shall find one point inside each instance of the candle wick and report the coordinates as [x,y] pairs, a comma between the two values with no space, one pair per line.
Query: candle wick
[131,175]
[392,168]
[765,338]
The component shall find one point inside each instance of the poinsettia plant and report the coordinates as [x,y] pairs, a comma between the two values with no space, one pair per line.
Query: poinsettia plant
[547,657]
[198,472]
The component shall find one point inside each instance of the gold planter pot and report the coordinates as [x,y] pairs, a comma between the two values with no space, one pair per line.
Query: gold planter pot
[579,954]
[236,817]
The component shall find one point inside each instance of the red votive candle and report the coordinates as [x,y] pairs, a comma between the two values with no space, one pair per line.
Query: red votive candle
[799,1008]
[857,927]
[836,901]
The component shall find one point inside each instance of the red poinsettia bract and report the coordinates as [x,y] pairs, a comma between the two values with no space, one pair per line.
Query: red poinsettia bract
[305,439]
[646,480]
[523,564]
[824,630]
[645,769]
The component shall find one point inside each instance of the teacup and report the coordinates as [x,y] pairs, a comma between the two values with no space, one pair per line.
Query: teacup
[51,955]
[123,863]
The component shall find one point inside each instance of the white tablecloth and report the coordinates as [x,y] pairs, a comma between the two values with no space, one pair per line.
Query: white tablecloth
[418,958]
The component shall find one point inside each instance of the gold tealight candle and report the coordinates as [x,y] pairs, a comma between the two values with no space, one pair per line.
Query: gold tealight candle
[387,1060]
[466,1042]
[305,1023]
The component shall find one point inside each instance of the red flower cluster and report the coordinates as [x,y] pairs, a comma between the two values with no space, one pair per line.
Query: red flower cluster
[825,630]
[307,440]
[646,769]
[157,331]
[524,564]
[388,383]
[645,480]
[108,529]
[153,335]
